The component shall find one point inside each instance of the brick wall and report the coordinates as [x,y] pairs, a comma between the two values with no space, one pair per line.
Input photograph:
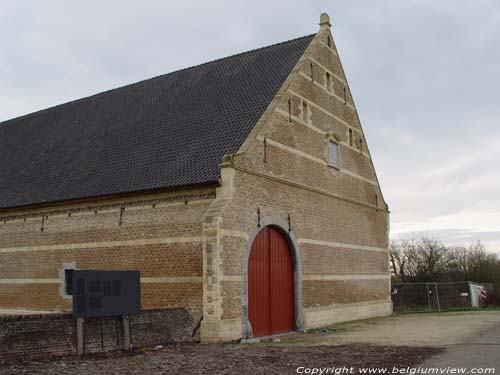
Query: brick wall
[41,336]
[160,235]
[27,337]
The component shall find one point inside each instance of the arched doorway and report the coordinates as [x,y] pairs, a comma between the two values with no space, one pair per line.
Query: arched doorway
[271,295]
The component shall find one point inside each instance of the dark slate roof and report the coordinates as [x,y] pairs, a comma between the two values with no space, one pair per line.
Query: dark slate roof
[168,131]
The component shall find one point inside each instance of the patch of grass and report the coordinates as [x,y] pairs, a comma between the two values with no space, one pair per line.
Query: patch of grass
[416,309]
[488,308]
[329,329]
[451,309]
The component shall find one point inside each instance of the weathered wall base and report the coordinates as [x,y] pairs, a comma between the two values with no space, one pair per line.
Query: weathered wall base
[40,336]
[230,329]
[221,331]
[315,318]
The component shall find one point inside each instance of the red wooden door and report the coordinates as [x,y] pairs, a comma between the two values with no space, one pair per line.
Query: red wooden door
[270,284]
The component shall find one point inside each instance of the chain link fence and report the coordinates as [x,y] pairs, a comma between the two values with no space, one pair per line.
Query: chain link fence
[432,297]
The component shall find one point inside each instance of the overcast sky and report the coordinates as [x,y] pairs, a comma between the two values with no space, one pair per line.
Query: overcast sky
[425,76]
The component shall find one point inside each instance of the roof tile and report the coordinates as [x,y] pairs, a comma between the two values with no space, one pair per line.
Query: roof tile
[167,131]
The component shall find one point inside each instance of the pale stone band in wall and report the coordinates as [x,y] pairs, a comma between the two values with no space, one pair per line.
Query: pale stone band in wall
[341,245]
[234,279]
[30,281]
[304,187]
[345,277]
[98,245]
[328,48]
[244,235]
[318,130]
[234,233]
[298,120]
[313,158]
[333,95]
[145,280]
[172,279]
[324,110]
[327,70]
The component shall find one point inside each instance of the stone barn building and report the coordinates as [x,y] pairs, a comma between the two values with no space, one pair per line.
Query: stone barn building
[243,190]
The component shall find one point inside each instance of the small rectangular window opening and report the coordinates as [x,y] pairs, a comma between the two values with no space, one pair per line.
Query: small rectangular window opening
[68,280]
[333,154]
[351,139]
[305,112]
[265,150]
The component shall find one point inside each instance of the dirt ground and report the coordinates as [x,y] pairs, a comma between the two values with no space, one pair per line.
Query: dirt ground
[401,341]
[230,359]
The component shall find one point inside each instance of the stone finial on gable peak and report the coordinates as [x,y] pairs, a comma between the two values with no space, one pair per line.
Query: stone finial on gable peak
[324,21]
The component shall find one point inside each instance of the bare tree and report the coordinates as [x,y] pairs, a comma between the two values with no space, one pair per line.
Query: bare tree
[431,259]
[397,260]
[472,263]
[426,260]
[402,256]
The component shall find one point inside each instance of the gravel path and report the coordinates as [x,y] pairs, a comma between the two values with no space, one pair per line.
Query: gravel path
[482,351]
[438,329]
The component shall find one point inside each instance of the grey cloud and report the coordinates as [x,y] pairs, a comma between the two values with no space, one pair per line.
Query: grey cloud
[424,74]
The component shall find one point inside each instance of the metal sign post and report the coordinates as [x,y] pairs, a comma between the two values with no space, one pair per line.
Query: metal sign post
[126,333]
[80,336]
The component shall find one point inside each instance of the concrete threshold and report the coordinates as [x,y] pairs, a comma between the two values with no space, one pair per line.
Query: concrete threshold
[275,337]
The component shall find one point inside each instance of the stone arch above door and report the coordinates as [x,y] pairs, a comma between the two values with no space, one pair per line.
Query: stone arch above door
[282,225]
